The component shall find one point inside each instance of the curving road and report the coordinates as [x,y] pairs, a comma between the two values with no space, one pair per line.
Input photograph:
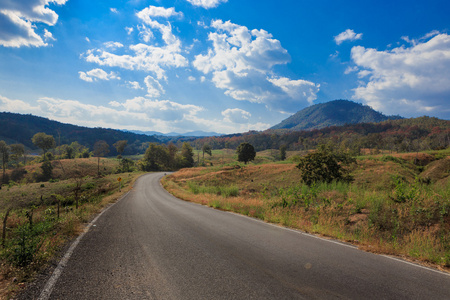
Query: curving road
[151,245]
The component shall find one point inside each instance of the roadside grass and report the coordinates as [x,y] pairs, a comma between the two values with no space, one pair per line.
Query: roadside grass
[390,208]
[35,232]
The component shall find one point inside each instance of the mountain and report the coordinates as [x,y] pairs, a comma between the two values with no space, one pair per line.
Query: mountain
[18,128]
[333,113]
[198,133]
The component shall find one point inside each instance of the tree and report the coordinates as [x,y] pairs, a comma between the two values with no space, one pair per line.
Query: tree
[246,152]
[17,151]
[101,148]
[283,149]
[156,158]
[324,165]
[206,149]
[47,170]
[126,165]
[4,152]
[187,155]
[43,141]
[172,149]
[120,146]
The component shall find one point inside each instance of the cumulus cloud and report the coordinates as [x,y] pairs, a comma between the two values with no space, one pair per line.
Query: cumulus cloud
[114,10]
[97,74]
[154,88]
[139,113]
[348,35]
[236,115]
[18,19]
[150,58]
[206,3]
[113,45]
[48,36]
[129,30]
[241,62]
[411,80]
[155,11]
[134,85]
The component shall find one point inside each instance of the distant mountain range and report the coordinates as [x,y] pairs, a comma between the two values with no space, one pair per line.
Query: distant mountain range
[198,133]
[333,113]
[18,128]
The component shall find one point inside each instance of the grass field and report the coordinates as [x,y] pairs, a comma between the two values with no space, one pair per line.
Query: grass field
[398,204]
[36,229]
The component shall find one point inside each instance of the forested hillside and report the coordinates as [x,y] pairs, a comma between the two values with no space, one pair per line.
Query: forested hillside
[333,113]
[17,128]
[401,135]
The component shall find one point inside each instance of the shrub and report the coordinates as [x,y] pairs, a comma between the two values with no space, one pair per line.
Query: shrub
[324,165]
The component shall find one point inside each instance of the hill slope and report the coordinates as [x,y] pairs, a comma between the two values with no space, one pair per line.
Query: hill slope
[17,128]
[333,113]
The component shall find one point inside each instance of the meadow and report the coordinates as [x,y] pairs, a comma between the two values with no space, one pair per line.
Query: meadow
[39,218]
[398,204]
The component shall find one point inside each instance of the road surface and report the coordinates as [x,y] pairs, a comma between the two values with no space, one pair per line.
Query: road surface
[151,245]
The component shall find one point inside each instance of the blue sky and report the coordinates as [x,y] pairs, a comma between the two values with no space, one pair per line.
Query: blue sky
[220,65]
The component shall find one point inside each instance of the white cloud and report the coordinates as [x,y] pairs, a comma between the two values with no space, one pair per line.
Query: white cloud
[150,58]
[48,36]
[408,81]
[18,19]
[154,11]
[134,85]
[236,115]
[113,45]
[145,33]
[114,10]
[206,3]
[129,30]
[97,74]
[241,62]
[348,35]
[134,114]
[191,78]
[154,88]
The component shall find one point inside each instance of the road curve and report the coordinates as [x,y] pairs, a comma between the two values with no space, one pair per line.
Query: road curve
[151,245]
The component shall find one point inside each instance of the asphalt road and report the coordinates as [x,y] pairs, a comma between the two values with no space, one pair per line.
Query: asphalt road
[151,245]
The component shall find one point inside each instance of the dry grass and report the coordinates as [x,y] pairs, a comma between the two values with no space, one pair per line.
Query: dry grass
[365,213]
[40,199]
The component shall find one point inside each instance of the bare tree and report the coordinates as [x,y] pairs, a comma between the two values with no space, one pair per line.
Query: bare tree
[101,148]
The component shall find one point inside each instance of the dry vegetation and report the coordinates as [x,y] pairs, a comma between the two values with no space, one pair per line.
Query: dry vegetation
[398,204]
[35,231]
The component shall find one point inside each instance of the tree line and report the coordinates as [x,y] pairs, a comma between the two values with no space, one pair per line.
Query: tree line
[405,135]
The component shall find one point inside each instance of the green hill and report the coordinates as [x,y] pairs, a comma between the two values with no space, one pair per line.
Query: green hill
[18,128]
[333,113]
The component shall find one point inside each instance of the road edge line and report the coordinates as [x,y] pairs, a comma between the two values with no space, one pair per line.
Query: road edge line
[48,288]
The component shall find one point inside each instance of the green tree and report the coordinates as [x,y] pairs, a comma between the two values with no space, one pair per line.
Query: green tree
[47,170]
[206,149]
[156,158]
[246,152]
[4,152]
[43,141]
[120,146]
[101,148]
[17,152]
[325,165]
[187,155]
[126,165]
[283,149]
[172,149]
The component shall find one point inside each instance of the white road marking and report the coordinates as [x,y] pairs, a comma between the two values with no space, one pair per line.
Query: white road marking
[47,291]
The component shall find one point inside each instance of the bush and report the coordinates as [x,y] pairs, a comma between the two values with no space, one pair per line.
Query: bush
[18,174]
[324,165]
